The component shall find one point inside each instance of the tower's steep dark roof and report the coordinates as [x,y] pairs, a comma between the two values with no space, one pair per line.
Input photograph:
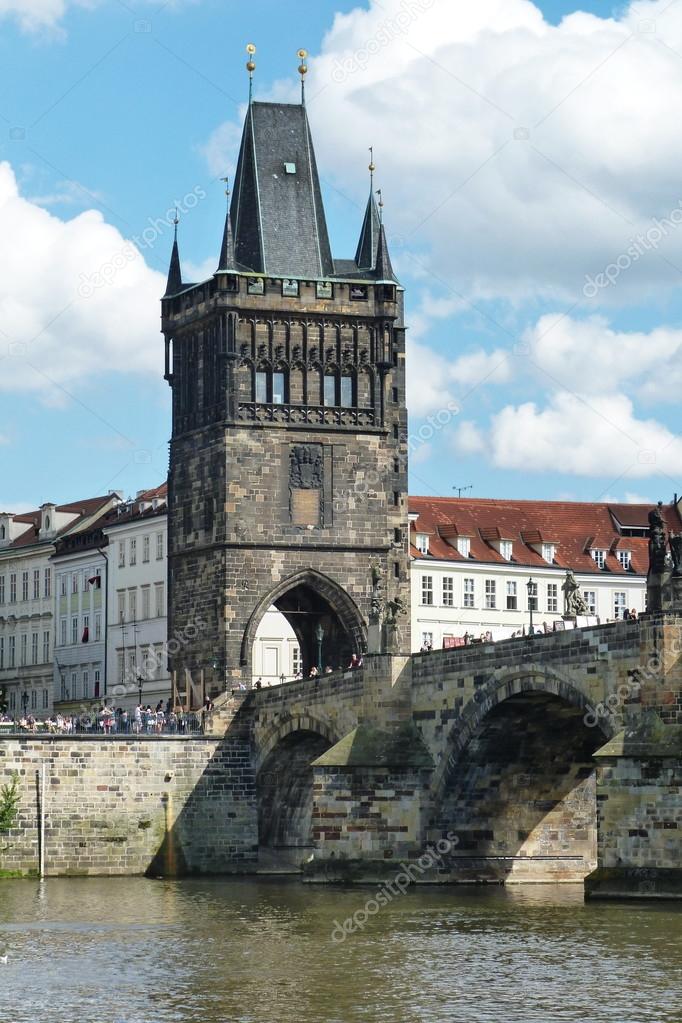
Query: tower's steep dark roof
[174,283]
[277,214]
[369,235]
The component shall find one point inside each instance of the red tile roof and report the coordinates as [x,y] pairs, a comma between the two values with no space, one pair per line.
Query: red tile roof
[82,510]
[574,527]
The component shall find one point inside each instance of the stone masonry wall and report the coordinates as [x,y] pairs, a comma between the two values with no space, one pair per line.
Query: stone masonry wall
[369,813]
[133,805]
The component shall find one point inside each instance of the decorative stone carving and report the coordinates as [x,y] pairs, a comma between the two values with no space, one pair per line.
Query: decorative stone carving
[676,551]
[376,604]
[574,603]
[392,611]
[305,467]
[657,542]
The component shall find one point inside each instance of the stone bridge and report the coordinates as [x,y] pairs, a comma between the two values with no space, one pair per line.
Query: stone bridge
[556,757]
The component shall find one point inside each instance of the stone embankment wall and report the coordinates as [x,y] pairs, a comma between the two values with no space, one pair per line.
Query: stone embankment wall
[130,805]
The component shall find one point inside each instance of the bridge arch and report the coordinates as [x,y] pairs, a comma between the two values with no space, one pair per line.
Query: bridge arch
[284,788]
[309,599]
[517,781]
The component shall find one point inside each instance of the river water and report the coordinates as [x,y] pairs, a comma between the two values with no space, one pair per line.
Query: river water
[130,950]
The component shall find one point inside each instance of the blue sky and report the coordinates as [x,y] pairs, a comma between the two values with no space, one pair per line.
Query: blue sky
[520,156]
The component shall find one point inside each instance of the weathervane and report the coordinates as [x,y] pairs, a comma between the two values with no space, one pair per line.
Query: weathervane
[372,167]
[381,206]
[250,66]
[227,188]
[176,221]
[303,71]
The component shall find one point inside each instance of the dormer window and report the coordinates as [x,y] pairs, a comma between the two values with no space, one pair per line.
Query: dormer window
[599,557]
[464,546]
[506,549]
[422,543]
[625,559]
[548,552]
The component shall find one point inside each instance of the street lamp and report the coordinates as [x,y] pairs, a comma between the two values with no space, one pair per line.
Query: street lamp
[139,689]
[319,636]
[24,700]
[530,586]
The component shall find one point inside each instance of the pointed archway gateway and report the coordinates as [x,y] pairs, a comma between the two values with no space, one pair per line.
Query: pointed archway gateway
[327,624]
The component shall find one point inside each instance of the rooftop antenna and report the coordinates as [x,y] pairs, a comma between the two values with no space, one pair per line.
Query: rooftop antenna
[381,206]
[250,67]
[303,71]
[372,168]
[461,490]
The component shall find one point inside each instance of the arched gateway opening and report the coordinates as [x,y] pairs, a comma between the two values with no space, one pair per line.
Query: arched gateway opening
[284,790]
[325,621]
[521,794]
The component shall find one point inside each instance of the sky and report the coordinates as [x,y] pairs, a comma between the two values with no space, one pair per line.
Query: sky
[530,161]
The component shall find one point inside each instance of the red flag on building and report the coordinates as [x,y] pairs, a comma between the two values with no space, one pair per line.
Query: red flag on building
[96,581]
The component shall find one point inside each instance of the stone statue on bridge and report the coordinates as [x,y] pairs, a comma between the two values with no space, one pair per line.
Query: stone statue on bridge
[574,602]
[664,579]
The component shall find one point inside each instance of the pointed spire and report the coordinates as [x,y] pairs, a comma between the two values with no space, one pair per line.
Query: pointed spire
[174,283]
[369,234]
[383,267]
[227,257]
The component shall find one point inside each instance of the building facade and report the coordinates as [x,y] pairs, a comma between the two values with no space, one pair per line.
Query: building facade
[80,577]
[473,560]
[137,625]
[27,599]
[288,462]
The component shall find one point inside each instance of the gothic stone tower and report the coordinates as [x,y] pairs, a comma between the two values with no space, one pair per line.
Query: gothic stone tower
[288,459]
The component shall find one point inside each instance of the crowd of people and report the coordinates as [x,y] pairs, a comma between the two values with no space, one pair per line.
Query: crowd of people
[107,720]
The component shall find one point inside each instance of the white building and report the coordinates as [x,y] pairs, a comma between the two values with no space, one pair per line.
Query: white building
[276,652]
[27,598]
[473,560]
[137,601]
[80,577]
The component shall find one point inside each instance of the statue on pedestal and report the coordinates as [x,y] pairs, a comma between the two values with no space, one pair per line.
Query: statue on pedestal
[574,603]
[376,601]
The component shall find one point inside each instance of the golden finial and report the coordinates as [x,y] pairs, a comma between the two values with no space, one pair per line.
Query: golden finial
[302,70]
[227,186]
[381,205]
[372,166]
[176,221]
[250,66]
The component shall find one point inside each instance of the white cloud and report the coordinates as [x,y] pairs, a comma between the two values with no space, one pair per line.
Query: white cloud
[596,438]
[434,382]
[588,356]
[36,15]
[520,156]
[18,507]
[632,498]
[46,15]
[76,298]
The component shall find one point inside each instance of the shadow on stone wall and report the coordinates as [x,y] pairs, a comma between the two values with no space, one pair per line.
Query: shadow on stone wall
[521,797]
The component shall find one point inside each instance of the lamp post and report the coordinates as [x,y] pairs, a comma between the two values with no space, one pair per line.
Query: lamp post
[530,586]
[24,700]
[319,636]
[139,689]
